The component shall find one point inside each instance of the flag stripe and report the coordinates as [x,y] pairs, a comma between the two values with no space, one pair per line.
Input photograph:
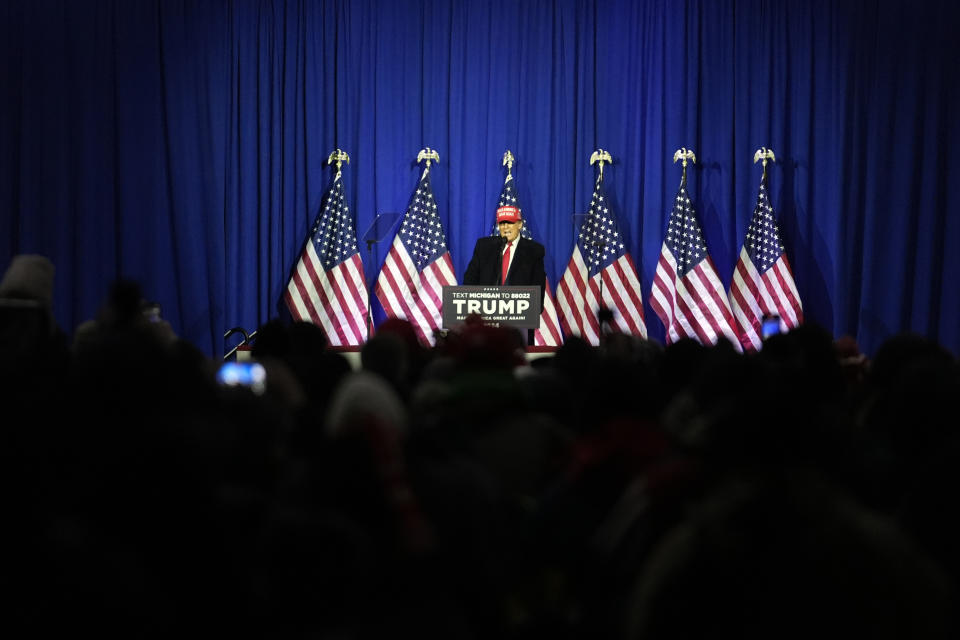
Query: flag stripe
[621,288]
[745,300]
[714,302]
[307,270]
[576,316]
[783,290]
[687,294]
[692,308]
[663,292]
[345,321]
[548,335]
[398,293]
[763,282]
[326,310]
[298,292]
[328,288]
[418,265]
[600,271]
[721,318]
[350,309]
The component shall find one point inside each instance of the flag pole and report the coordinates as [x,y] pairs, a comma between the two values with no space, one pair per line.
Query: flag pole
[684,154]
[338,157]
[763,153]
[604,316]
[429,155]
[508,160]
[600,156]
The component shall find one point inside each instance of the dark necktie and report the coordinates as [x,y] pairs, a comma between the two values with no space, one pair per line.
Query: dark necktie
[506,263]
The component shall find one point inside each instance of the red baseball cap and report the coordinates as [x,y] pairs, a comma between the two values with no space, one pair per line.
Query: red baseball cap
[507,213]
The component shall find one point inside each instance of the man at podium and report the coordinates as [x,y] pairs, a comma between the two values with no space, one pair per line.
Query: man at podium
[507,259]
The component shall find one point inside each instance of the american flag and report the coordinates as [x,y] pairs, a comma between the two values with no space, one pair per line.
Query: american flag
[600,271]
[687,293]
[328,287]
[763,280]
[418,266]
[548,334]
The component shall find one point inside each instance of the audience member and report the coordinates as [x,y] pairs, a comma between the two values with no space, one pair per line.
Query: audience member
[629,490]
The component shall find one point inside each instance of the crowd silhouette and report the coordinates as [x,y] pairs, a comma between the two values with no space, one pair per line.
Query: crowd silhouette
[625,491]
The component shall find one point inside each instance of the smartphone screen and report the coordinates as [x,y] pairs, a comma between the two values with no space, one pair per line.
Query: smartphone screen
[245,374]
[770,327]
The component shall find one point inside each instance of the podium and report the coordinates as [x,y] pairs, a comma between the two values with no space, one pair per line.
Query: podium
[496,305]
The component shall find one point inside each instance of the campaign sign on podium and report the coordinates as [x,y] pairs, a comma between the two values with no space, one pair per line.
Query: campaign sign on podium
[507,306]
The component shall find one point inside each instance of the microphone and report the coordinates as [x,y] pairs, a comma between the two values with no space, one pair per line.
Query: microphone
[503,242]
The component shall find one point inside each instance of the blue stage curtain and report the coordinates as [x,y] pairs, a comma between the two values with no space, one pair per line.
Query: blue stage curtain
[183,144]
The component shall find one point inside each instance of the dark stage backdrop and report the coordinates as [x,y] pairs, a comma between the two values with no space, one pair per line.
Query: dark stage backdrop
[183,143]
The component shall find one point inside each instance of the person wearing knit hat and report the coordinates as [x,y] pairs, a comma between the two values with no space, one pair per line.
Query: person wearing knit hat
[26,304]
[509,258]
[29,277]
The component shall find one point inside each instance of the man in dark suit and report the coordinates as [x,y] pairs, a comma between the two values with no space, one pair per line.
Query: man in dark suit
[507,259]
